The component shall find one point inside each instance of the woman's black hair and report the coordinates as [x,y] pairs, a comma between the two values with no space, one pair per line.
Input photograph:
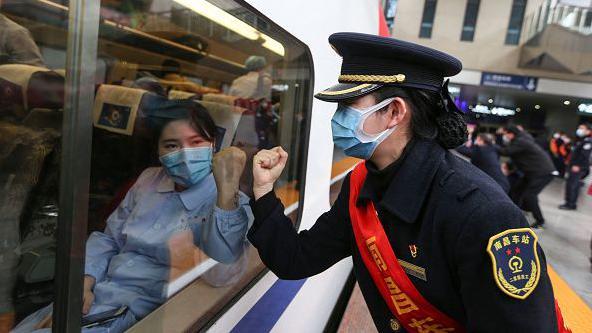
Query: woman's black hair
[199,118]
[429,117]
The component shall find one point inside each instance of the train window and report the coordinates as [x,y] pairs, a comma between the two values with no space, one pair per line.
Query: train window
[32,62]
[186,92]
[183,81]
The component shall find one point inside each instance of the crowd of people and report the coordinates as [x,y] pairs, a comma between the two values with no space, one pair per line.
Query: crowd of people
[528,166]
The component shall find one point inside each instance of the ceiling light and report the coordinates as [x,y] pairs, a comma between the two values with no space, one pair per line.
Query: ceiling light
[518,110]
[221,17]
[537,106]
[566,102]
[490,100]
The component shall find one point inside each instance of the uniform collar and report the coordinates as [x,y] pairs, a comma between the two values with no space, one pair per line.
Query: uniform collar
[410,185]
[193,196]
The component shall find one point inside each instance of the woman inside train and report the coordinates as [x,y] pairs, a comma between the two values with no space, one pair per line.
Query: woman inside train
[171,214]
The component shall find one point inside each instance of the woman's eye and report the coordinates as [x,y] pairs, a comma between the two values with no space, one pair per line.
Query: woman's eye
[170,146]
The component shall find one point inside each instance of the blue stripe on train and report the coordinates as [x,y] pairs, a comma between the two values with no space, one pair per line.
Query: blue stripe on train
[269,308]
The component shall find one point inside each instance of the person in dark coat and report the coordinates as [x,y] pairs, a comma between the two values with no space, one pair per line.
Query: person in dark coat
[452,231]
[483,155]
[534,163]
[579,166]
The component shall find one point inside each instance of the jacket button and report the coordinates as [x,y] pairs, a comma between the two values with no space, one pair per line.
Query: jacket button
[395,325]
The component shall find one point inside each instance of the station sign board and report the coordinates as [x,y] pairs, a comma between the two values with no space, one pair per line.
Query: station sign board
[518,82]
[585,108]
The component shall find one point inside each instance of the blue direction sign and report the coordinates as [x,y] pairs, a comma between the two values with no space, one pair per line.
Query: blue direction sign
[519,82]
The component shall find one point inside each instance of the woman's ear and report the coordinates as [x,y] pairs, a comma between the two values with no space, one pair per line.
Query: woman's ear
[397,110]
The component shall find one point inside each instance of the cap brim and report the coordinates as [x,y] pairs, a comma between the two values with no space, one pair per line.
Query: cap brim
[344,91]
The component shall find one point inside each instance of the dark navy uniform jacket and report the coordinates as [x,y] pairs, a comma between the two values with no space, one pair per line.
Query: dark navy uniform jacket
[486,159]
[442,205]
[580,154]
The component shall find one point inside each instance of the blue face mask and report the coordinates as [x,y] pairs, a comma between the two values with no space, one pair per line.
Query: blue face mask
[188,166]
[348,130]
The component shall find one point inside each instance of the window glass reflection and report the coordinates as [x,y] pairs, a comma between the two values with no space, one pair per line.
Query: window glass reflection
[186,93]
[32,61]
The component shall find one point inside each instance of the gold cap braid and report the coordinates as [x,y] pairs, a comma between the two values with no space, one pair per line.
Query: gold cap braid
[399,78]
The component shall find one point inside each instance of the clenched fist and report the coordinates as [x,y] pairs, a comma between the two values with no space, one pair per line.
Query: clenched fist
[227,166]
[267,168]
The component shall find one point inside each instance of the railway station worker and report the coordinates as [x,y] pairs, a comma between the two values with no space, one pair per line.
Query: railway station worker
[191,201]
[578,167]
[437,245]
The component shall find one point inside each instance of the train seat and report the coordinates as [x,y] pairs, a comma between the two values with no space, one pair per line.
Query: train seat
[25,87]
[226,118]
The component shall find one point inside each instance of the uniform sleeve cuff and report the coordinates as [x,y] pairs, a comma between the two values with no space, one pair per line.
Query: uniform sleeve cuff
[263,206]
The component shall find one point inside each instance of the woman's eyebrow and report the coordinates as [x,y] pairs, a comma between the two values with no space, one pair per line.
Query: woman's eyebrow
[196,137]
[169,141]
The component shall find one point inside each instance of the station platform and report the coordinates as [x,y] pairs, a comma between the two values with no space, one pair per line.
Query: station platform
[566,241]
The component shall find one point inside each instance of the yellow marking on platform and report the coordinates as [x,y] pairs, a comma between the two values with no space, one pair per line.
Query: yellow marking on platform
[576,313]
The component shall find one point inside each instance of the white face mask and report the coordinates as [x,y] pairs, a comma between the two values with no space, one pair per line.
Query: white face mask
[580,132]
[348,130]
[366,137]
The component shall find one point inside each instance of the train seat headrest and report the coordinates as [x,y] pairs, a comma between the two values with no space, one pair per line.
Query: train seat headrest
[226,118]
[31,86]
[116,108]
[220,98]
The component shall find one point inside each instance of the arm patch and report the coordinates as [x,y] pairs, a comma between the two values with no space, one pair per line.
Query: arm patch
[516,266]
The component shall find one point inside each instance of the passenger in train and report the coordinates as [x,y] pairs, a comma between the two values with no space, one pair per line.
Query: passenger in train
[436,245]
[535,164]
[256,84]
[484,156]
[578,167]
[16,44]
[190,204]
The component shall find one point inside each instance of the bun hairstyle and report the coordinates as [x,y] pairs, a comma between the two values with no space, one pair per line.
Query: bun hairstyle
[434,115]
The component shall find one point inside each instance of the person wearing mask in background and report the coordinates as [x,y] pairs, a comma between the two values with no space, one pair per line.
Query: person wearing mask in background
[579,166]
[484,156]
[256,84]
[424,227]
[17,45]
[565,149]
[535,164]
[555,146]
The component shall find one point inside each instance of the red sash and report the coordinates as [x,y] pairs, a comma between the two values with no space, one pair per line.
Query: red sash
[413,311]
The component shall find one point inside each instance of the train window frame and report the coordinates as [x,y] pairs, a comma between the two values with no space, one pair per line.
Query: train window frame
[83,36]
[302,177]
